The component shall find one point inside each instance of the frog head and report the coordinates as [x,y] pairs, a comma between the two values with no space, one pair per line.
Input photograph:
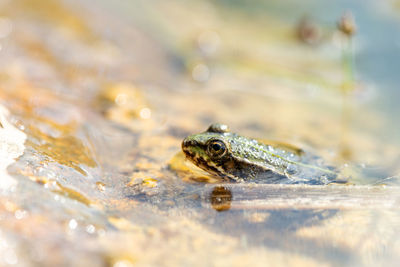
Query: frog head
[209,150]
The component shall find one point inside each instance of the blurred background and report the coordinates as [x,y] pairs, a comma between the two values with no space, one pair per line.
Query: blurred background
[97,96]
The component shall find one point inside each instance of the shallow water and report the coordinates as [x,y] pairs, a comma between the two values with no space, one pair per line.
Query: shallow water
[95,101]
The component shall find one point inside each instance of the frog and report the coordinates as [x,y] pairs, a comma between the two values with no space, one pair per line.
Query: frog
[236,158]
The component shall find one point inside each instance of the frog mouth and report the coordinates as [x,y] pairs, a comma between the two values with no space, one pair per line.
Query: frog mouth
[206,165]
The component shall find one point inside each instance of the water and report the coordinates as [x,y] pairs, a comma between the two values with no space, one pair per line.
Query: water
[105,95]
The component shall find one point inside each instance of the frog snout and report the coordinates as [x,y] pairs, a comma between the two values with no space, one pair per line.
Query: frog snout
[188,143]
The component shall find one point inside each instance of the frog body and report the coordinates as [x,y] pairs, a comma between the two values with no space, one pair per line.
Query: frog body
[233,157]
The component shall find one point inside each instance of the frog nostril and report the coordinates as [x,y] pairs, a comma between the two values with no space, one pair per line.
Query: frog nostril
[184,143]
[187,143]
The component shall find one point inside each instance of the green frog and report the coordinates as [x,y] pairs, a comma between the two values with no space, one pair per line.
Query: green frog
[233,157]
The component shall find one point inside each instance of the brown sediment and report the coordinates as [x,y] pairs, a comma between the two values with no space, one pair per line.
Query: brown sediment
[66,149]
[71,193]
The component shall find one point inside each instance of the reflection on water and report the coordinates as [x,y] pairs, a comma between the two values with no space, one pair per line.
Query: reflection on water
[221,198]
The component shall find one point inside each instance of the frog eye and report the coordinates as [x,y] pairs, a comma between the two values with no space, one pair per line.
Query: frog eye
[216,148]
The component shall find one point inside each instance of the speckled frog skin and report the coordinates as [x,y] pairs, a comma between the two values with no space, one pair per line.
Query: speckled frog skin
[237,158]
